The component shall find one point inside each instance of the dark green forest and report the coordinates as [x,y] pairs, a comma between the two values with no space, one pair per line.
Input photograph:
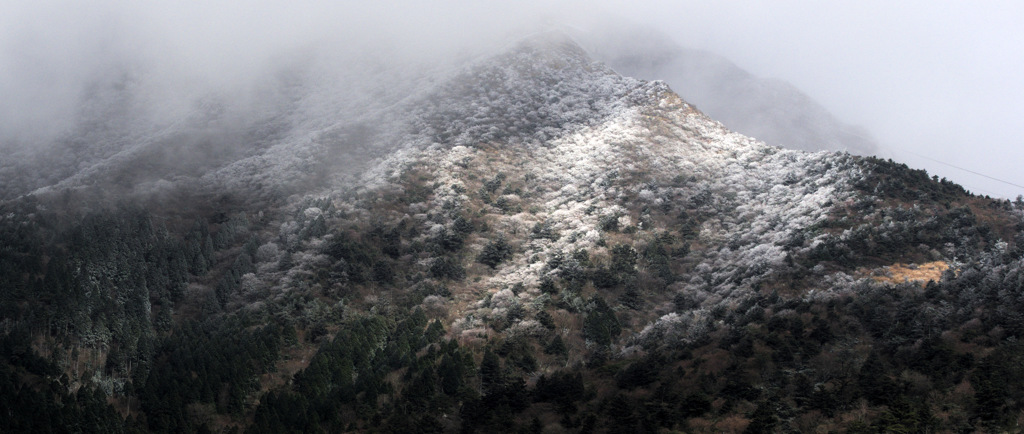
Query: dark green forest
[125,319]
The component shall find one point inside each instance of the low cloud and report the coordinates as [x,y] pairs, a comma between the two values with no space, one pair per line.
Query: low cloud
[936,80]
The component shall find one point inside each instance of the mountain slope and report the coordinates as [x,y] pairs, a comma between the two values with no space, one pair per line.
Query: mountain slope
[770,110]
[533,243]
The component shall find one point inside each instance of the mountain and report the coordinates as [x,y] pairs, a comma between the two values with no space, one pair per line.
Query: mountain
[524,240]
[769,109]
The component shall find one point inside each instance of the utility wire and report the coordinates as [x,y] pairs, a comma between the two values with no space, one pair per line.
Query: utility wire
[961,168]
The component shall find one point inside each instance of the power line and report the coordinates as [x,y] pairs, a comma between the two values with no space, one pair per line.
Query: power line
[961,168]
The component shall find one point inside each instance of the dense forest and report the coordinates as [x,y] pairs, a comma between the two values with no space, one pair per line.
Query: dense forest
[126,320]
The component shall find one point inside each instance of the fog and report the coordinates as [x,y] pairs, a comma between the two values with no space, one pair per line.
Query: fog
[936,83]
[52,52]
[938,80]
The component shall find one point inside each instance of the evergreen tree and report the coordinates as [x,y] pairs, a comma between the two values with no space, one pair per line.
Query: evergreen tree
[600,325]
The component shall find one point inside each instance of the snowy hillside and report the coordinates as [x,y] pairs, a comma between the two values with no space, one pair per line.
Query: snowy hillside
[132,136]
[771,110]
[543,138]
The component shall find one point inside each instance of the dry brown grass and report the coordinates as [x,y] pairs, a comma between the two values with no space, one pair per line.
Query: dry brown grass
[293,359]
[731,424]
[901,273]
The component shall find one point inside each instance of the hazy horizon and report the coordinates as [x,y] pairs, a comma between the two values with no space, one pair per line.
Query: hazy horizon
[935,83]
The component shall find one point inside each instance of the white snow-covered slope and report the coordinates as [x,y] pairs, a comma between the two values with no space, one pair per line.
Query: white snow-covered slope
[555,155]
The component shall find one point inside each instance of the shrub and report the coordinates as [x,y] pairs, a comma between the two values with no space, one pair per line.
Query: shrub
[495,252]
[447,268]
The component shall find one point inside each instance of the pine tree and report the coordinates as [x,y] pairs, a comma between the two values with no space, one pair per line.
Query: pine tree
[601,325]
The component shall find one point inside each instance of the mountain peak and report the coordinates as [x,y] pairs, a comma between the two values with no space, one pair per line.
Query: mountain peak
[768,109]
[541,88]
[553,45]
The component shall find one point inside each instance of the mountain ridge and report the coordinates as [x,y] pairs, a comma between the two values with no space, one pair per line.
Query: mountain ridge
[772,110]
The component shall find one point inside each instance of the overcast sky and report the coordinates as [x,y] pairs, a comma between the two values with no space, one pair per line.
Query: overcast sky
[936,79]
[939,83]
